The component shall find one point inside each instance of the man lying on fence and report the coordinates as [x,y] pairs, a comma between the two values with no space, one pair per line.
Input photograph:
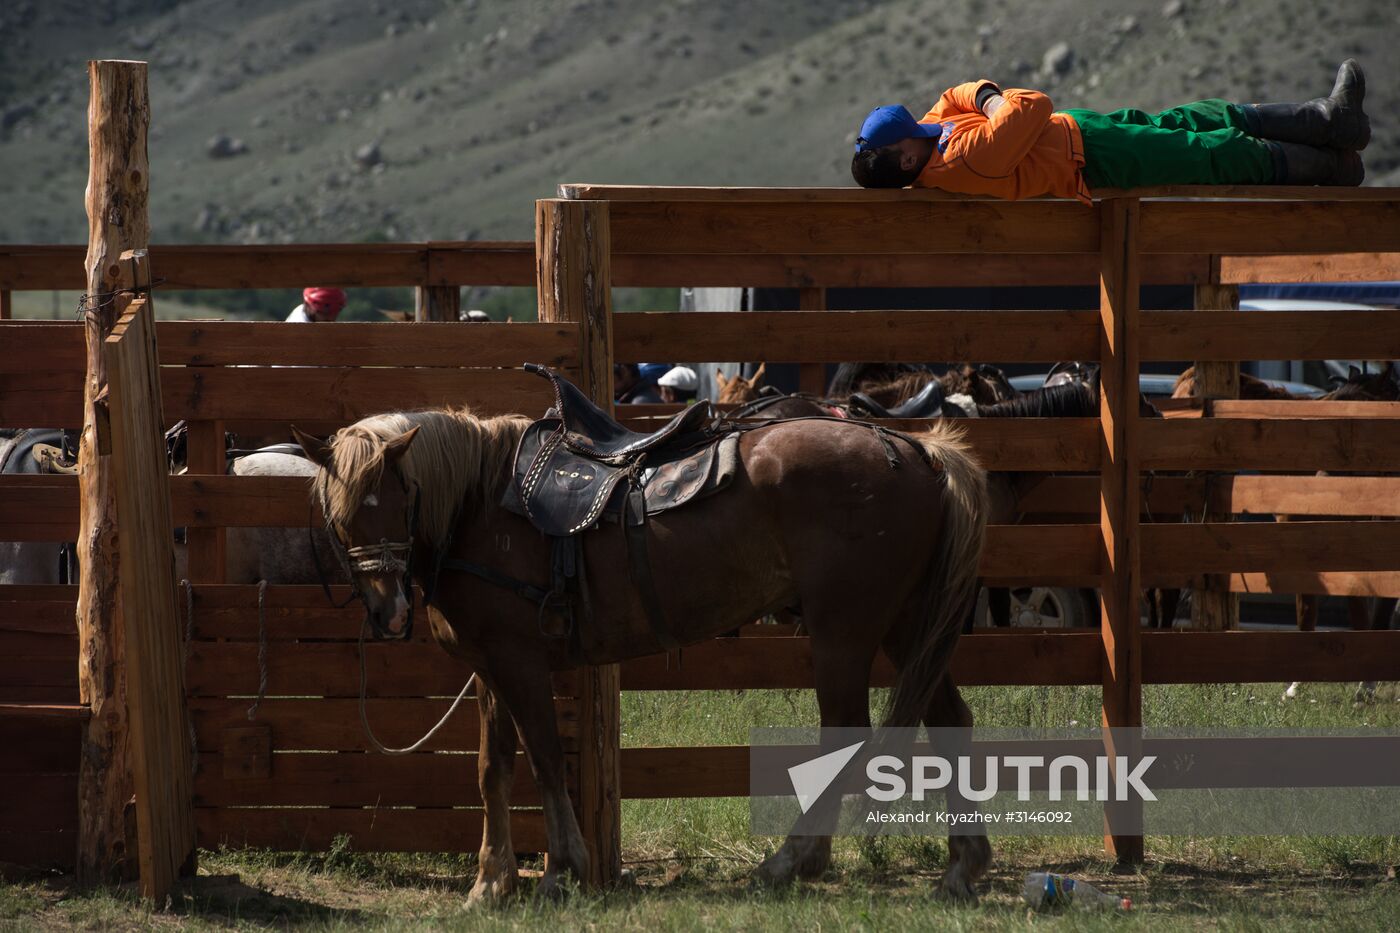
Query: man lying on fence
[979,139]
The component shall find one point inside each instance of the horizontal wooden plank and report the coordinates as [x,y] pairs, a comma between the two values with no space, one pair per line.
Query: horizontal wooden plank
[1260,547]
[786,663]
[38,646]
[370,830]
[39,802]
[357,780]
[39,347]
[24,674]
[197,394]
[1182,657]
[1344,267]
[346,265]
[1167,498]
[708,771]
[838,336]
[1306,409]
[38,508]
[1293,444]
[225,343]
[801,195]
[897,270]
[242,501]
[41,399]
[1270,227]
[36,745]
[330,724]
[320,669]
[1065,555]
[1324,583]
[49,711]
[1269,335]
[39,849]
[817,228]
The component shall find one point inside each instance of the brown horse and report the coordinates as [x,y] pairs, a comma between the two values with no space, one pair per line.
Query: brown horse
[814,506]
[739,390]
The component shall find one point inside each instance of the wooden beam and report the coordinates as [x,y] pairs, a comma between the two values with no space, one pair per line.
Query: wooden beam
[1270,547]
[159,740]
[811,377]
[573,242]
[1271,227]
[1119,494]
[1345,267]
[1213,606]
[1268,335]
[442,303]
[1347,444]
[877,336]
[902,226]
[6,311]
[848,194]
[1255,657]
[117,194]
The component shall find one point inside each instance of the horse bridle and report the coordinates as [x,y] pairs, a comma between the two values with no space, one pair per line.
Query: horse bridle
[385,556]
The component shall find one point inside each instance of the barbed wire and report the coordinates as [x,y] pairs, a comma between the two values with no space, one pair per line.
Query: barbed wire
[103,300]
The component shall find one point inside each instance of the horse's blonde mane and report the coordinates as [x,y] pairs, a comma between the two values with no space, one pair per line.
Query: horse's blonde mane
[458,461]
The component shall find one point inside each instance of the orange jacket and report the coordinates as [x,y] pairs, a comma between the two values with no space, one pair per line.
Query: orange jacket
[1023,151]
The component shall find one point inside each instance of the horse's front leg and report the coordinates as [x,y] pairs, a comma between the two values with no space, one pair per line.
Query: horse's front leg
[529,694]
[496,868]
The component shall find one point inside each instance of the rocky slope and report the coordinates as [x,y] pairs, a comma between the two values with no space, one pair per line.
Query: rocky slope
[349,120]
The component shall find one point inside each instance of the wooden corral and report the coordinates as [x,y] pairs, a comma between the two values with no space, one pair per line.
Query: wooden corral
[298,774]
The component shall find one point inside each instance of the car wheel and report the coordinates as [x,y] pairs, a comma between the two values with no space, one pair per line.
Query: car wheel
[1044,607]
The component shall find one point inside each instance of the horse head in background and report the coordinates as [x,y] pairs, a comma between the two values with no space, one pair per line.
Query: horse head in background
[738,390]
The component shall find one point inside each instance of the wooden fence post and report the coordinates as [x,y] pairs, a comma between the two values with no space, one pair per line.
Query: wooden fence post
[117,191]
[6,311]
[811,377]
[1119,497]
[573,255]
[437,303]
[1213,606]
[155,663]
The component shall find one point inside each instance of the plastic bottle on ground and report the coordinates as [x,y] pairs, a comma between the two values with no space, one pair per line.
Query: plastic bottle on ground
[1046,889]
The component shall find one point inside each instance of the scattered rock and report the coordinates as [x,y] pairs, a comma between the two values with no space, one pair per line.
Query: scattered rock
[224,147]
[206,220]
[1021,67]
[259,121]
[1058,59]
[1173,8]
[392,30]
[1128,25]
[369,155]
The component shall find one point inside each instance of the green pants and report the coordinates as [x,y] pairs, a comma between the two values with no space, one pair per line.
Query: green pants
[1205,143]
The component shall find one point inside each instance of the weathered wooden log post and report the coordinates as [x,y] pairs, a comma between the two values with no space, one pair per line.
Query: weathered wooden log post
[1119,496]
[1213,606]
[573,258]
[118,117]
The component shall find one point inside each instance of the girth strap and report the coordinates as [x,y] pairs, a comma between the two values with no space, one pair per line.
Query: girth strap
[634,522]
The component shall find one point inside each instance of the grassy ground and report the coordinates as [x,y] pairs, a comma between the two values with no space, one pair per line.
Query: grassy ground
[690,859]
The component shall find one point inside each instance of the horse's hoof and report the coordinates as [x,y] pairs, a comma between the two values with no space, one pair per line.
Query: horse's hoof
[776,871]
[958,890]
[489,892]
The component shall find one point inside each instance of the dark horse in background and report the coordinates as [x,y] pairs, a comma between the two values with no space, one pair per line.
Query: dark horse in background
[813,506]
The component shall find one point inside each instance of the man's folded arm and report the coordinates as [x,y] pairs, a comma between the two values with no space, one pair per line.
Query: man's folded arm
[994,146]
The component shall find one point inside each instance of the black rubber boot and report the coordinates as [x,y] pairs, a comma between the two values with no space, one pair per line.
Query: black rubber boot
[1337,121]
[1297,164]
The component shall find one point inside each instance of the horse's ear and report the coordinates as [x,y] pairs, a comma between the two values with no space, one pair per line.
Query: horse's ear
[757,377]
[316,450]
[722,382]
[1353,374]
[399,445]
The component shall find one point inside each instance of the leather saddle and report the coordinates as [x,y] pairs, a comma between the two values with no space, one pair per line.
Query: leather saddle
[577,465]
[37,451]
[927,404]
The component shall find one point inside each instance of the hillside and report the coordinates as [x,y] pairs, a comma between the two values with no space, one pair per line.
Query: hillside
[346,120]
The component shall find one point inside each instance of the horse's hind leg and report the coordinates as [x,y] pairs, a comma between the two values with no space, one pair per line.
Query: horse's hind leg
[843,694]
[497,872]
[969,853]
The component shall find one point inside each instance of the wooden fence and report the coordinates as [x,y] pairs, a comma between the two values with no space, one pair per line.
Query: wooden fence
[270,782]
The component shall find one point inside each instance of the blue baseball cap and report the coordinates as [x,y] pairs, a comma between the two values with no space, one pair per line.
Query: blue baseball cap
[650,372]
[888,125]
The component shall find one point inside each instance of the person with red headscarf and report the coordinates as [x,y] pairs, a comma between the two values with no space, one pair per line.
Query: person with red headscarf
[318,305]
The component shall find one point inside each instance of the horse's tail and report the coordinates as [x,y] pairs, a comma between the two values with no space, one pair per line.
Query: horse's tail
[952,574]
